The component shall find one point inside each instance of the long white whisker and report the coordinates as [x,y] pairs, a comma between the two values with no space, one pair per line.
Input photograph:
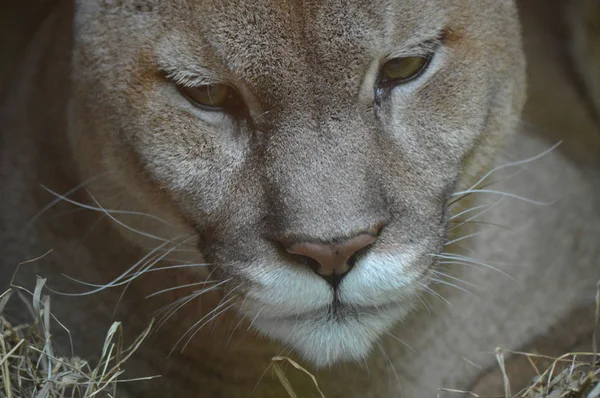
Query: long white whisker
[79,247]
[107,212]
[185,301]
[234,330]
[255,318]
[454,278]
[506,194]
[58,199]
[137,231]
[517,163]
[435,294]
[404,343]
[151,263]
[452,285]
[108,285]
[192,330]
[207,322]
[465,237]
[458,259]
[117,281]
[392,367]
[179,287]
[479,214]
[470,209]
[170,309]
[176,267]
[425,304]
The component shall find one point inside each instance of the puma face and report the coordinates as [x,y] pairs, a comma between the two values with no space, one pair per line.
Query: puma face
[312,147]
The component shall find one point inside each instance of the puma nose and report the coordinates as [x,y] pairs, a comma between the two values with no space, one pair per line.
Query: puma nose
[332,258]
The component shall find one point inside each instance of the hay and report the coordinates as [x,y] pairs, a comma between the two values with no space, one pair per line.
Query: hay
[572,375]
[29,367]
[275,361]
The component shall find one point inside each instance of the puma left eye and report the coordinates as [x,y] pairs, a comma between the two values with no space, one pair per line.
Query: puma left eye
[402,70]
[210,96]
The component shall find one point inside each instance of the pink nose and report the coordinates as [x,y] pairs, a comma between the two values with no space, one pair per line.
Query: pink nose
[333,257]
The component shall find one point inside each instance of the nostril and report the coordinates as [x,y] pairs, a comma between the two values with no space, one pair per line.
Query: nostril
[357,256]
[332,279]
[331,260]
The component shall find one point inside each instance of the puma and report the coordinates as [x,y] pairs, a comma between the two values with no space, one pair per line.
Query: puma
[351,184]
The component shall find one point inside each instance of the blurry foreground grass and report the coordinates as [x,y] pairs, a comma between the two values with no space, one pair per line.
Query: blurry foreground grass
[30,368]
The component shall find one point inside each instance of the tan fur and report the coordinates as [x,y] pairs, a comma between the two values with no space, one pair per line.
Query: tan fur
[312,160]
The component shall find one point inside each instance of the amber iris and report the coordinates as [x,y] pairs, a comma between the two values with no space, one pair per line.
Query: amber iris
[402,70]
[210,96]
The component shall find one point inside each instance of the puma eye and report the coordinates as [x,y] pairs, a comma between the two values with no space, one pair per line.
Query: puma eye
[402,70]
[210,96]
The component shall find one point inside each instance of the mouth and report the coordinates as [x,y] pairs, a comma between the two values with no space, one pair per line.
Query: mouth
[332,334]
[336,311]
[326,325]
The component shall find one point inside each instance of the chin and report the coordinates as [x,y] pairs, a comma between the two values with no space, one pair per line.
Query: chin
[333,335]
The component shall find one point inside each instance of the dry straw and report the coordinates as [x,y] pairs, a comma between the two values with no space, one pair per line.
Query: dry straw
[30,368]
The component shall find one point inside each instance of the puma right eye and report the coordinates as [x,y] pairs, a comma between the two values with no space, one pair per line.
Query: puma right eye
[402,70]
[215,97]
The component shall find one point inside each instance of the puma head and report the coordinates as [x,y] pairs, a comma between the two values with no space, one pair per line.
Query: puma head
[311,147]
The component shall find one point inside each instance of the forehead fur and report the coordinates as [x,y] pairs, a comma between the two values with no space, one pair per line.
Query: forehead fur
[305,42]
[269,48]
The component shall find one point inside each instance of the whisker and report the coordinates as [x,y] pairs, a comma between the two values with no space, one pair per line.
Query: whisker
[234,330]
[505,194]
[260,378]
[385,355]
[192,250]
[458,259]
[208,321]
[223,298]
[170,309]
[460,198]
[452,285]
[192,330]
[470,209]
[491,224]
[517,163]
[106,286]
[185,301]
[404,343]
[129,228]
[255,318]
[143,269]
[169,267]
[427,306]
[239,322]
[454,278]
[435,294]
[92,228]
[117,281]
[54,202]
[62,214]
[479,214]
[465,237]
[114,312]
[108,213]
[179,287]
